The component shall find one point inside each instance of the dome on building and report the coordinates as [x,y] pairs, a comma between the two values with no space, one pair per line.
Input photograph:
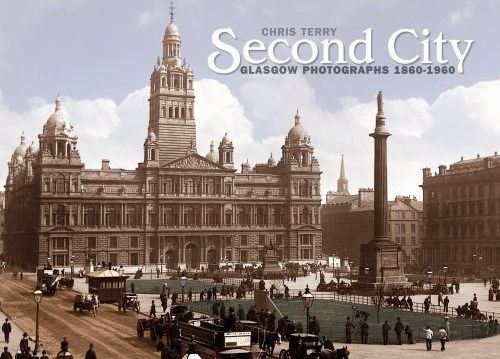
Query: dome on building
[297,132]
[211,156]
[172,30]
[21,149]
[271,161]
[226,140]
[58,122]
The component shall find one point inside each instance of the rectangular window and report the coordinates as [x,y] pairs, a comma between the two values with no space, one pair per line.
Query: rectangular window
[92,257]
[403,227]
[229,254]
[113,258]
[60,260]
[91,242]
[413,228]
[397,228]
[244,256]
[244,240]
[262,240]
[306,239]
[398,240]
[60,243]
[261,255]
[279,239]
[413,241]
[134,259]
[306,253]
[412,215]
[228,241]
[134,242]
[113,242]
[403,215]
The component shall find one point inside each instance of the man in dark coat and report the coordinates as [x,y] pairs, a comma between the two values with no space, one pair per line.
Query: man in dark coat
[6,329]
[6,354]
[409,334]
[90,354]
[222,311]
[348,330]
[385,332]
[398,328]
[364,332]
[446,302]
[410,303]
[152,311]
[271,321]
[241,312]
[23,344]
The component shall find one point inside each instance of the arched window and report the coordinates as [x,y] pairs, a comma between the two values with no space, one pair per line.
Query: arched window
[190,84]
[163,82]
[46,185]
[61,216]
[183,112]
[170,112]
[177,112]
[60,185]
[163,111]
[228,157]
[169,186]
[190,113]
[75,186]
[209,186]
[153,154]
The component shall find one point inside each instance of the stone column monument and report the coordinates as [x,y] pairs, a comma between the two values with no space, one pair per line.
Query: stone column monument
[381,261]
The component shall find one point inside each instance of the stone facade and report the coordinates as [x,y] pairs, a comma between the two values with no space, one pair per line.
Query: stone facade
[2,220]
[462,215]
[347,222]
[177,207]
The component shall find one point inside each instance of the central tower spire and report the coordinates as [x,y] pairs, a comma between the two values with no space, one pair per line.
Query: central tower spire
[171,101]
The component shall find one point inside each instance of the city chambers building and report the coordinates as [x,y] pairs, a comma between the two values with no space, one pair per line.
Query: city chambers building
[177,207]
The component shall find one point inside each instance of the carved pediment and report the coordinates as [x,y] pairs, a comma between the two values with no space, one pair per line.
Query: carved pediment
[194,161]
[59,229]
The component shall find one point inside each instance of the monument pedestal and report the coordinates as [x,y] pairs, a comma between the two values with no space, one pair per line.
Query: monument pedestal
[381,263]
[270,264]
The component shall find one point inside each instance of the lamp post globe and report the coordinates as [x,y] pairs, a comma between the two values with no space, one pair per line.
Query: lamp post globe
[445,270]
[38,299]
[307,302]
[183,284]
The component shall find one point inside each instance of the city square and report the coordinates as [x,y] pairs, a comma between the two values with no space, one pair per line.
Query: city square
[194,252]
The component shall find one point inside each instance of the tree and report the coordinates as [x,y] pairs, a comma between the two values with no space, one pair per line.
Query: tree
[378,299]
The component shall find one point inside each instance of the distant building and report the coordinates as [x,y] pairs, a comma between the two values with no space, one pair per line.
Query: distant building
[462,215]
[2,220]
[347,222]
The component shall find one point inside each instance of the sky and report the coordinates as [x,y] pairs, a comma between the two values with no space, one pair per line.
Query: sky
[98,55]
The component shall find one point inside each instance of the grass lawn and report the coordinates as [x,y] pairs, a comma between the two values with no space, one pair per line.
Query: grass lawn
[332,316]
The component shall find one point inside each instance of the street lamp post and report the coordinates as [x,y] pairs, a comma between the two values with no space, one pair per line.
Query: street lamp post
[72,265]
[183,284]
[38,298]
[48,263]
[445,269]
[429,276]
[307,301]
[161,263]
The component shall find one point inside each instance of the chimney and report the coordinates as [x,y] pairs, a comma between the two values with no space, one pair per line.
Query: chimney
[426,172]
[442,169]
[105,165]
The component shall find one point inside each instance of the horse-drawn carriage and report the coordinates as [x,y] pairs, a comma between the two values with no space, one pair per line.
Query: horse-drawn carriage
[88,302]
[165,325]
[67,282]
[129,301]
[308,346]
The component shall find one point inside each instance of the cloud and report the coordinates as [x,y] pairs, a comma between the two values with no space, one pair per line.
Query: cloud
[460,121]
[457,16]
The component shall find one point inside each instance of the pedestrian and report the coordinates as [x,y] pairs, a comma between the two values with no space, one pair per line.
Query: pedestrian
[64,345]
[475,298]
[364,332]
[190,295]
[428,338]
[491,324]
[44,355]
[398,328]
[410,303]
[440,298]
[409,334]
[132,287]
[484,281]
[21,276]
[23,344]
[152,311]
[6,329]
[157,272]
[442,337]
[348,330]
[241,312]
[385,332]
[6,354]
[222,311]
[90,354]
[447,328]
[446,302]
